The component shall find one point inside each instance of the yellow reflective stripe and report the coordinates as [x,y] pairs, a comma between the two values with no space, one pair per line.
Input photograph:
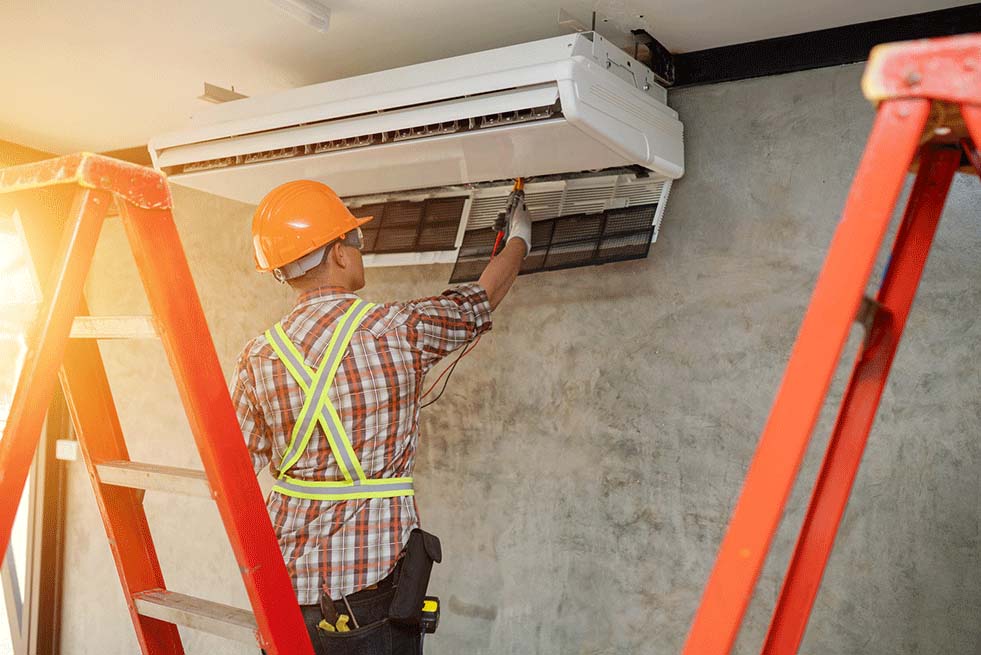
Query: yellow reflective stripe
[351,496]
[346,442]
[317,399]
[296,354]
[295,374]
[324,401]
[334,448]
[346,339]
[337,490]
[338,483]
[315,403]
[284,466]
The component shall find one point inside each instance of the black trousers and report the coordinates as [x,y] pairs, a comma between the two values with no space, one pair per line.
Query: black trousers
[376,636]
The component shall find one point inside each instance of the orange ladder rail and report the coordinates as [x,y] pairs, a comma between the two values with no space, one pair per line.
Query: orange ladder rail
[908,80]
[143,201]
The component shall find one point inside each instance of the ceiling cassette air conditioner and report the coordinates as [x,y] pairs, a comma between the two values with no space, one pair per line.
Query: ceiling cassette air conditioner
[442,140]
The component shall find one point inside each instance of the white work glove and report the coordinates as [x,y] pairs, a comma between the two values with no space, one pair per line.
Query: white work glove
[519,225]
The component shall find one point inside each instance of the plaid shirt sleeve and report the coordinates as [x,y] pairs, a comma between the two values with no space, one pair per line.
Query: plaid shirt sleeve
[450,321]
[250,416]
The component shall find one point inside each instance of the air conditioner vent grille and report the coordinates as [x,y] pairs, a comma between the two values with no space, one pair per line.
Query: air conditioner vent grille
[406,226]
[642,193]
[366,140]
[343,144]
[591,195]
[569,241]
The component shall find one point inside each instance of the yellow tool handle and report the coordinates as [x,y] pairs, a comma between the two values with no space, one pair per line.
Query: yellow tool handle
[341,624]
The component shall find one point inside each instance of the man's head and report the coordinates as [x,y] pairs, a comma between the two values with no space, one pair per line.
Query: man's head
[304,235]
[338,264]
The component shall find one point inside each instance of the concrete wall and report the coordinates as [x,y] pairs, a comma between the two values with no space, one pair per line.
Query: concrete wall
[583,465]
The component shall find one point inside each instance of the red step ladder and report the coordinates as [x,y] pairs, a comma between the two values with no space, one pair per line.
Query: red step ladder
[62,343]
[929,116]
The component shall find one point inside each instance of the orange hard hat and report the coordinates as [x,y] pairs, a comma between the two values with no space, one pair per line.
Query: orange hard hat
[295,219]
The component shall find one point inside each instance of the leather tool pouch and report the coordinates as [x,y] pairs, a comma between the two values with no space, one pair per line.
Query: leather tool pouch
[417,563]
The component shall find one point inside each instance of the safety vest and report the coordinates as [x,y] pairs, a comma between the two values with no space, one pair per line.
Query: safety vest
[317,409]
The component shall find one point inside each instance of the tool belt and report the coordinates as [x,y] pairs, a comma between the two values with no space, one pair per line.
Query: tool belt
[417,564]
[410,613]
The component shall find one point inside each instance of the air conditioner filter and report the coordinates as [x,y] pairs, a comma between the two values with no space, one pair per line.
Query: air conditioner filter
[407,226]
[568,241]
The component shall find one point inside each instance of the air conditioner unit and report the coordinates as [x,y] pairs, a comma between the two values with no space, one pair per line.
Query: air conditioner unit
[573,114]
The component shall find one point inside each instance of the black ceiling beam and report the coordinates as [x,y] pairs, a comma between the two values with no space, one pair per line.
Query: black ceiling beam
[658,58]
[832,47]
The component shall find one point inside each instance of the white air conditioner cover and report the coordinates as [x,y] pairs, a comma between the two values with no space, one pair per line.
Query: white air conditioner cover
[470,119]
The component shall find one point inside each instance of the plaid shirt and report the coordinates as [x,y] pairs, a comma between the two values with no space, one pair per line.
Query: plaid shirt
[345,546]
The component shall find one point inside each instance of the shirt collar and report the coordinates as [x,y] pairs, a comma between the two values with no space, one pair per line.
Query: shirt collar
[324,294]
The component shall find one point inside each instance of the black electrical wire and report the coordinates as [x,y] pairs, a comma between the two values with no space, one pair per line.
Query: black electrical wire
[449,372]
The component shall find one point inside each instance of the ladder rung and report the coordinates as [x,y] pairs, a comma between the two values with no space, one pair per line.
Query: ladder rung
[198,614]
[113,327]
[153,477]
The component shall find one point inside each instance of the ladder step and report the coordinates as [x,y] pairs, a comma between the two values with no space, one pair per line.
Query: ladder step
[153,477]
[199,614]
[114,327]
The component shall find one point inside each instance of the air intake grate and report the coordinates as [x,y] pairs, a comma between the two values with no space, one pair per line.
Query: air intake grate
[568,241]
[407,226]
[365,140]
[586,196]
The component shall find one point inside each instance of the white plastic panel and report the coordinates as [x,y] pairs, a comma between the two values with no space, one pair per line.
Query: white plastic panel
[542,148]
[541,95]
[347,133]
[409,258]
[525,64]
[613,112]
[479,72]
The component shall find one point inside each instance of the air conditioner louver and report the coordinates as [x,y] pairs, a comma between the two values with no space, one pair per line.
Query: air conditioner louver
[457,126]
[571,198]
[566,242]
[403,226]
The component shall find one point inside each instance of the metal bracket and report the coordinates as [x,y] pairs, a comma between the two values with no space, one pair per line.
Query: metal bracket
[658,58]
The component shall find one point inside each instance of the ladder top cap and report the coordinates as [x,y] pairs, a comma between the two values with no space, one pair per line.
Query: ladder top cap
[947,69]
[138,185]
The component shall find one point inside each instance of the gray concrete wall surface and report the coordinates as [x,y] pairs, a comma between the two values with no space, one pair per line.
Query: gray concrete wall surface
[583,464]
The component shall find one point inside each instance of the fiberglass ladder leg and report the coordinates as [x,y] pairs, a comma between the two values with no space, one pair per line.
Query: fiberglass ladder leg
[908,80]
[143,201]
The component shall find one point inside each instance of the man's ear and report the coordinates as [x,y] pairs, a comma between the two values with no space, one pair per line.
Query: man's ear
[337,255]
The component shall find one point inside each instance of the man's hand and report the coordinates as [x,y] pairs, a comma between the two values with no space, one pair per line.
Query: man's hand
[519,223]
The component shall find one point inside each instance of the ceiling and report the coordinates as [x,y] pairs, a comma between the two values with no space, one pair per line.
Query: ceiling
[107,74]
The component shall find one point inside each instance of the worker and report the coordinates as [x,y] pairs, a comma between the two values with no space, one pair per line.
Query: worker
[329,399]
